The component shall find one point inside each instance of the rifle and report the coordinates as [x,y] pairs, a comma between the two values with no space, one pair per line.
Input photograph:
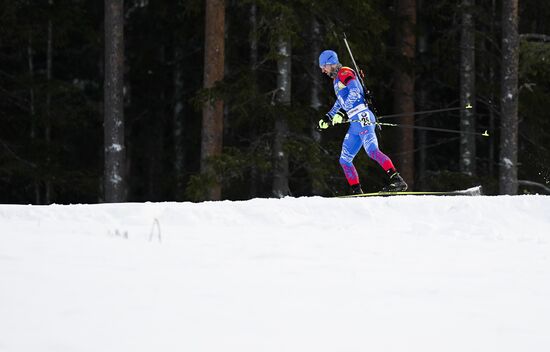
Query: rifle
[366,93]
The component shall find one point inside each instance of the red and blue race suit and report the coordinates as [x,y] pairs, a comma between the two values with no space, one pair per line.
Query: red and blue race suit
[361,133]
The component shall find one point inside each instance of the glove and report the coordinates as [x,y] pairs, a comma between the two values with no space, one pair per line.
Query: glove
[339,117]
[324,123]
[327,121]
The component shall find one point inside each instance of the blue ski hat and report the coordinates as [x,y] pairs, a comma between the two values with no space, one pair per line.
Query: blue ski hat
[328,57]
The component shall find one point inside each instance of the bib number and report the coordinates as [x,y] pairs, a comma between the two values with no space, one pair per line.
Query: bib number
[364,119]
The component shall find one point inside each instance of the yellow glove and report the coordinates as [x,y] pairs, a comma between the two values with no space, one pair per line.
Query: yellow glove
[323,123]
[327,121]
[339,117]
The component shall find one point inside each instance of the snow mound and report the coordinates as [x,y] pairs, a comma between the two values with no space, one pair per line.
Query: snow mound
[400,274]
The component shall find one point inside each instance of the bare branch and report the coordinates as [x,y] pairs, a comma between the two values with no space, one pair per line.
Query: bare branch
[535,37]
[13,154]
[535,184]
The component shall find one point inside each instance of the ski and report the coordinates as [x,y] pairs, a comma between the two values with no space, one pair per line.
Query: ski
[474,191]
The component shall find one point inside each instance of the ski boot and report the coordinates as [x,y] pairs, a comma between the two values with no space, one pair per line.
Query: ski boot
[397,184]
[356,189]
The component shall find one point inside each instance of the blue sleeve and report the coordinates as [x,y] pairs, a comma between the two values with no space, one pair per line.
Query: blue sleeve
[334,109]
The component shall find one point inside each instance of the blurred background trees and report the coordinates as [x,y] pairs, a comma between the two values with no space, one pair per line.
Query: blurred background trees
[53,109]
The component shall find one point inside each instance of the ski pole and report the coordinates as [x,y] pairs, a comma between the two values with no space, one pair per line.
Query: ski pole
[484,134]
[467,107]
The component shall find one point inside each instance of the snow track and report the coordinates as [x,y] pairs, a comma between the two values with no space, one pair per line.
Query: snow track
[308,274]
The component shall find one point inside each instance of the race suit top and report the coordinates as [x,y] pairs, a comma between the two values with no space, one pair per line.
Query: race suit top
[349,94]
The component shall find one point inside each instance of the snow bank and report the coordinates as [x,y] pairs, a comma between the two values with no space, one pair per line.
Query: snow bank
[308,274]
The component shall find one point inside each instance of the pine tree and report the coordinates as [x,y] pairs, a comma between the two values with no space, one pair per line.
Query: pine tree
[114,142]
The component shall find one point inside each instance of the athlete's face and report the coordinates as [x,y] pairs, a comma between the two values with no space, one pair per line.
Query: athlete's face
[329,69]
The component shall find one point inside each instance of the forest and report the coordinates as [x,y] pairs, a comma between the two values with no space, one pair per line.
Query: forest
[189,100]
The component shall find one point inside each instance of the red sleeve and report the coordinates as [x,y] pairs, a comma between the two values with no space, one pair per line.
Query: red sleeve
[345,75]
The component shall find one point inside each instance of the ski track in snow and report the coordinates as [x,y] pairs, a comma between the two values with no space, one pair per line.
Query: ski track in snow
[295,274]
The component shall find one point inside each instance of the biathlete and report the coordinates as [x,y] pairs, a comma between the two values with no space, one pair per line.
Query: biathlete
[351,106]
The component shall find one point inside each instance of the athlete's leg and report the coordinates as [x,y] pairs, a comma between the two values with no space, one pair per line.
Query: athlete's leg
[370,143]
[350,147]
[366,131]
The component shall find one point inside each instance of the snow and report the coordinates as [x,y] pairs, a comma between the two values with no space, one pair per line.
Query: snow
[507,163]
[295,274]
[115,147]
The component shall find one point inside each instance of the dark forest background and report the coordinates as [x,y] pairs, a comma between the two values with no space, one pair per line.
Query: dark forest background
[52,71]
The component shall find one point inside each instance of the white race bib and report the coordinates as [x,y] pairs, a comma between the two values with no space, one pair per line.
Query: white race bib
[356,110]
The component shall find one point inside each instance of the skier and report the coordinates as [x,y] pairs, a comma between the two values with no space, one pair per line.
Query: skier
[351,106]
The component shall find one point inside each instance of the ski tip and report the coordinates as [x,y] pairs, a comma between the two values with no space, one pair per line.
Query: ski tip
[473,191]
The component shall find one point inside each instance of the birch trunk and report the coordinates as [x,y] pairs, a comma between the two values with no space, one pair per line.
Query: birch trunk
[315,101]
[467,90]
[508,179]
[492,75]
[280,157]
[114,145]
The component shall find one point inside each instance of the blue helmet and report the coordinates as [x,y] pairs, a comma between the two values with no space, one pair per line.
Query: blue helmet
[328,57]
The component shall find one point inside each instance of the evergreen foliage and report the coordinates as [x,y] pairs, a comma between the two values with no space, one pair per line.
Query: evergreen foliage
[165,38]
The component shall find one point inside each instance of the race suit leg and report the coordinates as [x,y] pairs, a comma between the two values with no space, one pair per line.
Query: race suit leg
[370,144]
[350,147]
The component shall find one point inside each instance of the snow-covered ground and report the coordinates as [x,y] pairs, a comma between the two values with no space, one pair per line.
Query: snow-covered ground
[399,274]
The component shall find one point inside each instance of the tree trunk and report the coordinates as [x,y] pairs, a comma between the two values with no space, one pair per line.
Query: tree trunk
[155,143]
[467,90]
[509,99]
[404,87]
[178,121]
[422,162]
[492,94]
[114,146]
[48,130]
[212,112]
[32,110]
[423,97]
[254,173]
[280,156]
[315,101]
[253,36]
